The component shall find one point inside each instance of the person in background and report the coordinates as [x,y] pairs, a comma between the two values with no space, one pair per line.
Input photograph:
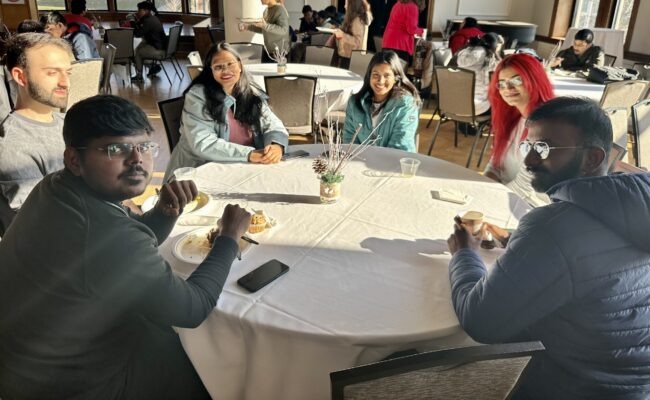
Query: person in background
[29,25]
[31,144]
[87,303]
[582,55]
[353,34]
[575,274]
[323,21]
[308,20]
[480,56]
[460,38]
[334,15]
[402,27]
[154,40]
[274,26]
[76,15]
[226,118]
[79,36]
[519,85]
[388,104]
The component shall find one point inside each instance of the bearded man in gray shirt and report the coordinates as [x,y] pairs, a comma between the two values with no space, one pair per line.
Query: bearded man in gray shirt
[31,140]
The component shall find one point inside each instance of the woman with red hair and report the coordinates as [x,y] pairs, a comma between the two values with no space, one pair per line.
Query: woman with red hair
[519,84]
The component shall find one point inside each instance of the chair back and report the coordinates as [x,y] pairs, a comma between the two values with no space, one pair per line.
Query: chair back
[609,60]
[194,71]
[489,372]
[170,112]
[122,39]
[84,80]
[618,117]
[107,51]
[291,97]
[318,55]
[217,34]
[359,61]
[251,53]
[319,39]
[623,93]
[615,154]
[174,37]
[644,71]
[641,128]
[378,40]
[455,91]
[194,57]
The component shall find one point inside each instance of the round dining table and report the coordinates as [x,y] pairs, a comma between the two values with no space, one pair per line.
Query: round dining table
[368,275]
[566,83]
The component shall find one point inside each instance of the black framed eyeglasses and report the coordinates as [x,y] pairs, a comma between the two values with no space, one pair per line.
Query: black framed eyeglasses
[124,150]
[541,148]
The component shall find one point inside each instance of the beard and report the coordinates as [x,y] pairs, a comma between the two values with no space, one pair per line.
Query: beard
[41,95]
[542,180]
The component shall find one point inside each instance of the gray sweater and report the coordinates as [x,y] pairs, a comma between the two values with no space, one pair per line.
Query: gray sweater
[276,32]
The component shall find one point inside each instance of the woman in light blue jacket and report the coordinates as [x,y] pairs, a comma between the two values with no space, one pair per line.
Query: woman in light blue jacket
[387,103]
[226,118]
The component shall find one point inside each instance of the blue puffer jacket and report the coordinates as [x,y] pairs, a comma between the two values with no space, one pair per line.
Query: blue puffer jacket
[398,129]
[576,276]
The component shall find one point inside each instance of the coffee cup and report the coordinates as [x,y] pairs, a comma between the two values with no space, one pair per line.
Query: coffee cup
[473,220]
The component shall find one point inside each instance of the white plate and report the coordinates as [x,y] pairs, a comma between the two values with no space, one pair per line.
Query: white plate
[325,30]
[201,201]
[193,247]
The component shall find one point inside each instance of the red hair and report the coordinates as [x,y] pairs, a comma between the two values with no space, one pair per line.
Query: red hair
[505,117]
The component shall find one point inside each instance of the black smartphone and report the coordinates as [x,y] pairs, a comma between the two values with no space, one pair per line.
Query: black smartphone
[295,154]
[262,275]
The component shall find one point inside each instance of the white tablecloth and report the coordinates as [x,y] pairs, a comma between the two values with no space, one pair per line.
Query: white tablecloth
[610,40]
[369,274]
[333,88]
[567,85]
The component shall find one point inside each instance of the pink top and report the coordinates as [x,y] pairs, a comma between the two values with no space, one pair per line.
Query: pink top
[79,19]
[402,26]
[239,132]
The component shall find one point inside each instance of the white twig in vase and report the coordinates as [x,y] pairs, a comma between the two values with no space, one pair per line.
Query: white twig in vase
[279,53]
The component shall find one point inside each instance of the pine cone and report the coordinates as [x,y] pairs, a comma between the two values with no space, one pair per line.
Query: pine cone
[319,166]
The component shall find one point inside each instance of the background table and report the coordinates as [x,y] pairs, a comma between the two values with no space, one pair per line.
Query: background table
[369,274]
[567,85]
[333,88]
[610,40]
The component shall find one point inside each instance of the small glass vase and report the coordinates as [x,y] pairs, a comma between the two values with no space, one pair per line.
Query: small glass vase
[330,193]
[282,68]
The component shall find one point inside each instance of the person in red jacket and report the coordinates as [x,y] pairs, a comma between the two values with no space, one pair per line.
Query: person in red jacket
[468,29]
[402,26]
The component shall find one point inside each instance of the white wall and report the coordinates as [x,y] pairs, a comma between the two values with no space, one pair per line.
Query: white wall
[232,10]
[640,42]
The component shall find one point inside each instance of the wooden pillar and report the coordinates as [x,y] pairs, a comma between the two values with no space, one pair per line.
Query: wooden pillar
[14,11]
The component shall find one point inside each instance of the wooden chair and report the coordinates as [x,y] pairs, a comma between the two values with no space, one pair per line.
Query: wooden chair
[85,79]
[359,61]
[609,60]
[291,97]
[170,112]
[618,117]
[194,71]
[489,372]
[616,154]
[319,39]
[641,133]
[251,53]
[623,93]
[318,55]
[107,51]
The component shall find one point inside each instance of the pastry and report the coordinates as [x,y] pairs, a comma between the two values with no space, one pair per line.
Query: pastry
[258,222]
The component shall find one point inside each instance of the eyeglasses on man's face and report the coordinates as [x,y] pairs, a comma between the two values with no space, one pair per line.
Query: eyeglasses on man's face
[542,149]
[124,150]
[515,81]
[221,68]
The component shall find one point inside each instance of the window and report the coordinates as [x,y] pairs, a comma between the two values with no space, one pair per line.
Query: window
[169,5]
[48,5]
[127,5]
[585,14]
[94,5]
[623,14]
[199,6]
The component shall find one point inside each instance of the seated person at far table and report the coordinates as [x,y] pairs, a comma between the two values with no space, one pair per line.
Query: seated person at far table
[79,36]
[582,55]
[323,21]
[154,40]
[386,108]
[29,25]
[468,29]
[226,117]
[87,303]
[575,274]
[308,20]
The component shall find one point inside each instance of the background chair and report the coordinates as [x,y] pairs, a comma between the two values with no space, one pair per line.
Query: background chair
[122,39]
[194,58]
[641,129]
[481,372]
[359,61]
[291,97]
[170,113]
[84,80]
[623,93]
[618,117]
[609,60]
[170,52]
[107,51]
[251,53]
[615,154]
[644,71]
[194,71]
[217,34]
[319,55]
[456,103]
[319,39]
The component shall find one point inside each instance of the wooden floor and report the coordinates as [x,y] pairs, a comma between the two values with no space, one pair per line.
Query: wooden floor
[148,93]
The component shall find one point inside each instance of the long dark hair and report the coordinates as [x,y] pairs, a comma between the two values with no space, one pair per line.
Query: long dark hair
[245,92]
[402,84]
[490,42]
[355,8]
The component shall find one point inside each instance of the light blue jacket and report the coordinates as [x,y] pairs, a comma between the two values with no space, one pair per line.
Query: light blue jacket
[203,139]
[398,129]
[576,276]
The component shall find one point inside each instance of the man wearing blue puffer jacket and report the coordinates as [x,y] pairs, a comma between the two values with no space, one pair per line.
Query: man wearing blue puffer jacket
[576,273]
